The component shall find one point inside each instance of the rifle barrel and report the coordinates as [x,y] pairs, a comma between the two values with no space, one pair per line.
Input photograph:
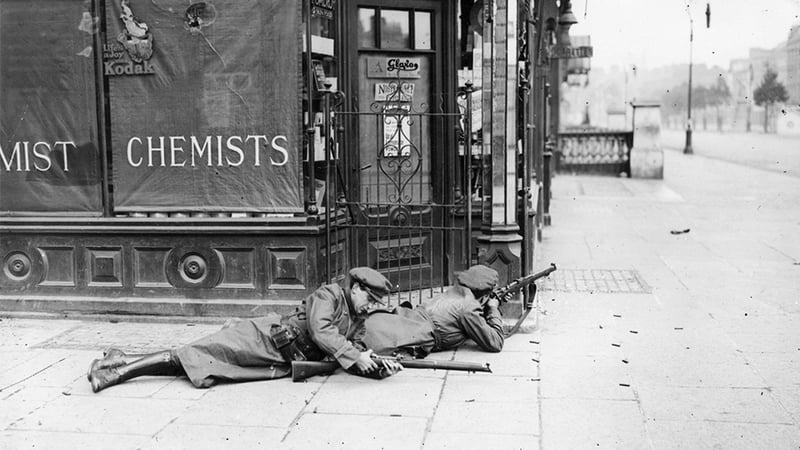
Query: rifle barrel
[444,365]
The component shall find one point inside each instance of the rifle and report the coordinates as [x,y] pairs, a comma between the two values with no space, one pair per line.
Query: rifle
[501,293]
[306,369]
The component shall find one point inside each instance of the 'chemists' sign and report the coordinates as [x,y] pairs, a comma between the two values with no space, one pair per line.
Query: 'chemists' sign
[215,126]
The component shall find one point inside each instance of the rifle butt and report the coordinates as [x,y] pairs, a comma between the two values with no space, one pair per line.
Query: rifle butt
[301,370]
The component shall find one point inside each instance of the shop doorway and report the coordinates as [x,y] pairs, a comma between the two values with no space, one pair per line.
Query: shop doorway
[401,116]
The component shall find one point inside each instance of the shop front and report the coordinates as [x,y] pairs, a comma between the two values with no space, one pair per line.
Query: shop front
[208,158]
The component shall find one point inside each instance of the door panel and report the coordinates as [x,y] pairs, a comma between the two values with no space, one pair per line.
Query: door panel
[402,223]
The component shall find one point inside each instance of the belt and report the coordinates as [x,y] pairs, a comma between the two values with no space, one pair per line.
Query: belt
[437,339]
[294,344]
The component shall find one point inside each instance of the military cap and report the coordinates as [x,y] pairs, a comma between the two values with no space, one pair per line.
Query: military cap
[478,278]
[373,281]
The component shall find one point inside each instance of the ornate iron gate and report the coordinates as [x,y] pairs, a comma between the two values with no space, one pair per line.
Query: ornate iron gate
[405,214]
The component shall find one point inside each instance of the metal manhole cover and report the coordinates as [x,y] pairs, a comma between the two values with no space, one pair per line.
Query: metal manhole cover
[596,280]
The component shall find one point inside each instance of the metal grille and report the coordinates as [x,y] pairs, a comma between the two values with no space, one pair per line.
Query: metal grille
[396,209]
[596,280]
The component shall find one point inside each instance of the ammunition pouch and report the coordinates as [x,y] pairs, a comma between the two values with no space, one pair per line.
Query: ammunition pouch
[294,344]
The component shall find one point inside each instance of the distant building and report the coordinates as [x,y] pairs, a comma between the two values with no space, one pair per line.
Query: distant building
[745,74]
[792,82]
[773,59]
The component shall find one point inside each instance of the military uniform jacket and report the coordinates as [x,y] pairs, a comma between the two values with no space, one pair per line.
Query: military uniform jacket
[245,352]
[331,323]
[457,315]
[400,329]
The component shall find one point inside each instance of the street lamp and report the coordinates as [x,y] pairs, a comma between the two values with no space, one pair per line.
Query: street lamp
[688,148]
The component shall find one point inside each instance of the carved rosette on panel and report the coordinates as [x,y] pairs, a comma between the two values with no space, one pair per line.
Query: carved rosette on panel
[195,267]
[23,266]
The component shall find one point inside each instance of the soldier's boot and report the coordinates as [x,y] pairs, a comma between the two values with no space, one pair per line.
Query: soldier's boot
[112,357]
[165,363]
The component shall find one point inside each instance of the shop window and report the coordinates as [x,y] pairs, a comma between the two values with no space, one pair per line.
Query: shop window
[395,29]
[203,110]
[422,30]
[366,28]
[50,160]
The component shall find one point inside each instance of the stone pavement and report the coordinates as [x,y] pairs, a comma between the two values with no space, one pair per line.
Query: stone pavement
[46,401]
[707,353]
[645,339]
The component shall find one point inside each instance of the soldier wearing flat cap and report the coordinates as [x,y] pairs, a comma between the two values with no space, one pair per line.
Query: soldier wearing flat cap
[325,326]
[444,322]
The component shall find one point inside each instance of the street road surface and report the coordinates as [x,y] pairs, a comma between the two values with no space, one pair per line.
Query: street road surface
[757,150]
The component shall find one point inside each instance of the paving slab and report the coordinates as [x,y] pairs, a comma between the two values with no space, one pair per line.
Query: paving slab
[752,405]
[21,402]
[767,341]
[63,372]
[585,377]
[272,403]
[25,333]
[103,414]
[393,396]
[480,441]
[39,363]
[213,437]
[60,440]
[668,434]
[501,389]
[346,431]
[503,363]
[778,369]
[589,423]
[496,417]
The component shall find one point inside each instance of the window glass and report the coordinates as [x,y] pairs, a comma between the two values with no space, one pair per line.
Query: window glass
[394,29]
[366,27]
[422,30]
[50,160]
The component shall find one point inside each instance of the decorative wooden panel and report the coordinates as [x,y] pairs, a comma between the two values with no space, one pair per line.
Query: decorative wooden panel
[149,267]
[104,266]
[286,268]
[239,268]
[60,263]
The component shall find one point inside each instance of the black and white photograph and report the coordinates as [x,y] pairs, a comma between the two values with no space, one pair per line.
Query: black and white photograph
[400,224]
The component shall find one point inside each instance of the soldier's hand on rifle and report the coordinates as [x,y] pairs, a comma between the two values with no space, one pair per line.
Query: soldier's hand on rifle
[365,363]
[391,366]
[493,302]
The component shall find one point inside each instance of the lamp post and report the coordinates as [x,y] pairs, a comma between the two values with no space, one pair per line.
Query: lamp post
[688,148]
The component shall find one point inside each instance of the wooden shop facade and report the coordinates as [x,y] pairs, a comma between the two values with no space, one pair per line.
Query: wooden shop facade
[227,157]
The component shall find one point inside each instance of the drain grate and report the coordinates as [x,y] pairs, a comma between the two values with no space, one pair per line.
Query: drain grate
[596,280]
[129,337]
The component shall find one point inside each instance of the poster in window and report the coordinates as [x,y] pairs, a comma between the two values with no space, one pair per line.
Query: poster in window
[49,147]
[211,119]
